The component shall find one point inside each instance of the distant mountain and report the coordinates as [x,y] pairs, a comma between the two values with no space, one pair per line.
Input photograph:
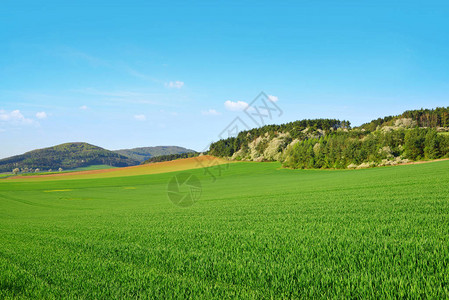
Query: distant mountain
[66,156]
[143,153]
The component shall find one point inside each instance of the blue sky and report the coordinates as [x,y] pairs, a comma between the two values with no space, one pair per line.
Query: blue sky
[145,73]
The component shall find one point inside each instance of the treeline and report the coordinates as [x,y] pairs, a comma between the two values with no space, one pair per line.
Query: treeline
[143,153]
[170,157]
[358,148]
[65,156]
[433,118]
[227,147]
[438,117]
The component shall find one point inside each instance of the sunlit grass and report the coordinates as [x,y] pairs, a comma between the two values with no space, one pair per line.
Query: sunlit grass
[258,231]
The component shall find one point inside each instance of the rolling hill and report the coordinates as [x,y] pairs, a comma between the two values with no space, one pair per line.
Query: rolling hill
[65,156]
[143,153]
[332,144]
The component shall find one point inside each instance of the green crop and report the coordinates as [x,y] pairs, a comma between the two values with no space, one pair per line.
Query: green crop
[258,231]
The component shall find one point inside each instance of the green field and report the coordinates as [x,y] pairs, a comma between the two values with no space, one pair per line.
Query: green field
[258,231]
[93,167]
[89,168]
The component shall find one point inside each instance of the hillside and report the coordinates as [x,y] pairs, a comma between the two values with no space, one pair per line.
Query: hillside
[170,157]
[324,143]
[433,118]
[65,156]
[143,153]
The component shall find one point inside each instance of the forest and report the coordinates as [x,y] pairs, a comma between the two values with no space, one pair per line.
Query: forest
[438,117]
[169,157]
[227,147]
[330,143]
[365,149]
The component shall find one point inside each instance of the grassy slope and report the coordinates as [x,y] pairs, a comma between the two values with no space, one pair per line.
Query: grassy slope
[258,231]
[154,168]
[93,167]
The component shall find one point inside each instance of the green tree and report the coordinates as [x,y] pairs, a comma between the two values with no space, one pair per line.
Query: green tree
[432,145]
[414,143]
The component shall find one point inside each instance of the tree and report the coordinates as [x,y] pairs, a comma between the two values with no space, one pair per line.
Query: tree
[37,170]
[60,169]
[432,145]
[414,143]
[15,171]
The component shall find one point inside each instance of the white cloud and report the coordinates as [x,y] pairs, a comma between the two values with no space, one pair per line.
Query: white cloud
[41,115]
[273,98]
[83,107]
[14,117]
[174,84]
[235,106]
[140,117]
[210,112]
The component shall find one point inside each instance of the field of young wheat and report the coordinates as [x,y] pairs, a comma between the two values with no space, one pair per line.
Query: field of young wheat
[257,231]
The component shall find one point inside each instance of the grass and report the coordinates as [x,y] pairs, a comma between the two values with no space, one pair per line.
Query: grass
[93,167]
[258,231]
[89,168]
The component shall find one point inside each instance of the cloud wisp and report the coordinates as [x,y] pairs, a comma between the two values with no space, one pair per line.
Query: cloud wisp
[273,98]
[174,84]
[210,112]
[41,115]
[140,117]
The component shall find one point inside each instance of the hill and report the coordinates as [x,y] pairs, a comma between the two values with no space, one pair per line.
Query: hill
[433,118]
[143,153]
[324,143]
[65,156]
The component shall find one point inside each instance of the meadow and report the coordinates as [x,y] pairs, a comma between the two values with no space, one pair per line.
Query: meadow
[258,231]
